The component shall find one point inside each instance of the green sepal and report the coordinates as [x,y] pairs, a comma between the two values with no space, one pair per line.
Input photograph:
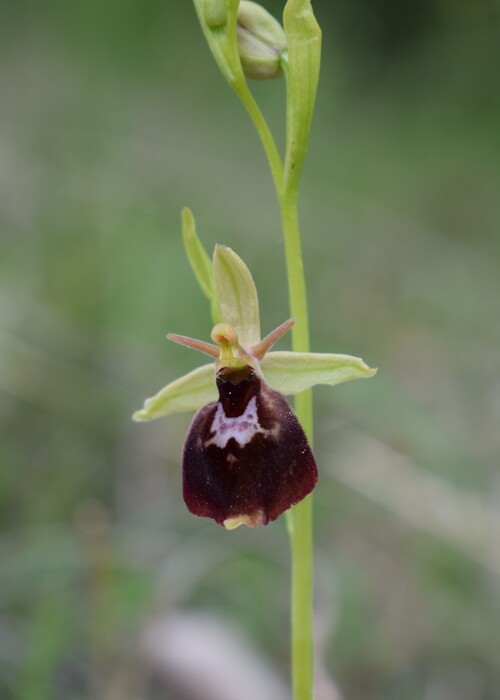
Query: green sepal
[293,372]
[286,372]
[302,73]
[188,393]
[237,295]
[200,261]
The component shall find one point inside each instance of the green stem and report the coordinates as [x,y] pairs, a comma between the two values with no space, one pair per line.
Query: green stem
[299,518]
[295,271]
[264,132]
[303,36]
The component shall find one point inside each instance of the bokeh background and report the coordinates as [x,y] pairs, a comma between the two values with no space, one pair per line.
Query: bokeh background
[112,117]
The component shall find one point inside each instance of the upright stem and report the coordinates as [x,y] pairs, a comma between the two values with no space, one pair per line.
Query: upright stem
[264,132]
[295,271]
[300,516]
[301,66]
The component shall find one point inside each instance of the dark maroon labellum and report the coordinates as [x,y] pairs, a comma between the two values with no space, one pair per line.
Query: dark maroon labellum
[246,456]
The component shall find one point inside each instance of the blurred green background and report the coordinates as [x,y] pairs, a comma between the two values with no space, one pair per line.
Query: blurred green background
[112,117]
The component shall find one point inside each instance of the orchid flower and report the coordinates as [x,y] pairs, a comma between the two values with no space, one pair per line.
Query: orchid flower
[246,458]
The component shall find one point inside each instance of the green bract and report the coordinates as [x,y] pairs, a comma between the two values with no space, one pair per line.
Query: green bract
[197,255]
[220,32]
[231,287]
[302,72]
[199,261]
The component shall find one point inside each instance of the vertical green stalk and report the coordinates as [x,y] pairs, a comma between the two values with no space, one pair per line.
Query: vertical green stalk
[299,518]
[300,63]
[301,67]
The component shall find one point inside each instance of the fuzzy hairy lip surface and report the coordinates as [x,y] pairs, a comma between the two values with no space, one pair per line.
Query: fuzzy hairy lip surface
[254,468]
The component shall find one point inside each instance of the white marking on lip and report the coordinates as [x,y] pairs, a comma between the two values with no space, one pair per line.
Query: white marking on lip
[241,428]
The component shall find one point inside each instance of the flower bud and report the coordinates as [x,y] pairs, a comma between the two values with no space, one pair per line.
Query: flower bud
[261,41]
[215,12]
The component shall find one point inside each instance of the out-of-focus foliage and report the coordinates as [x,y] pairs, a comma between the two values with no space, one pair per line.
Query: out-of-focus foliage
[112,117]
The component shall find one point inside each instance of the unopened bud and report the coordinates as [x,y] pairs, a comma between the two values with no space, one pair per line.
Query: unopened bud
[215,12]
[261,41]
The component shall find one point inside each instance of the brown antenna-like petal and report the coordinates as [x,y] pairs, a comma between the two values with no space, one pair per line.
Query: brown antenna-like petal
[195,344]
[260,349]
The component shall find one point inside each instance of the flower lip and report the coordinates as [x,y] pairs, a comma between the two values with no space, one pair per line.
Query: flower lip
[246,458]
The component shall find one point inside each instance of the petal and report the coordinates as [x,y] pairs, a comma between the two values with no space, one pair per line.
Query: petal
[237,295]
[188,393]
[293,372]
[304,54]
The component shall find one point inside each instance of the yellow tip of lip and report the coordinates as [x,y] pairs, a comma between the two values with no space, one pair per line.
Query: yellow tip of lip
[248,520]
